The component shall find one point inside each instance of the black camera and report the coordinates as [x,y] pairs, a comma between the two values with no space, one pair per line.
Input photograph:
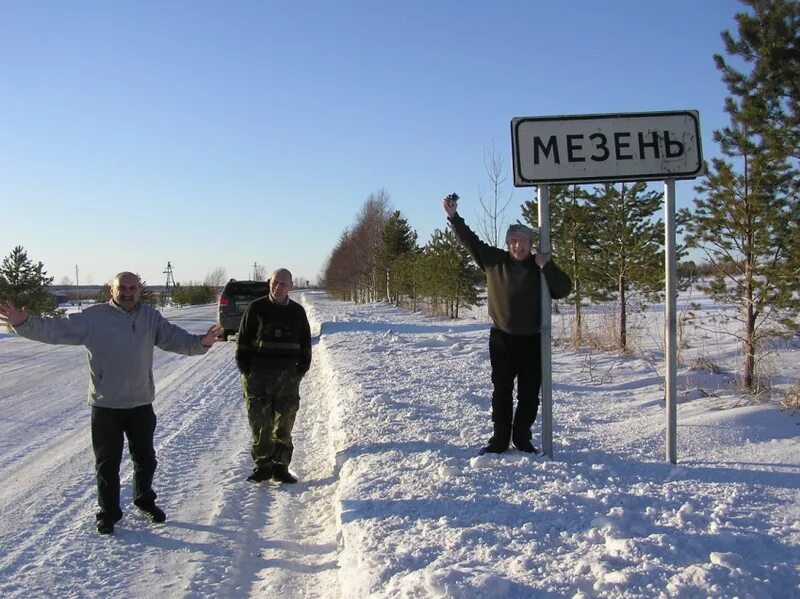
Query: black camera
[453,197]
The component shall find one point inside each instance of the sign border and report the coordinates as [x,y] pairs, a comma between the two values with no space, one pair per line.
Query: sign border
[520,181]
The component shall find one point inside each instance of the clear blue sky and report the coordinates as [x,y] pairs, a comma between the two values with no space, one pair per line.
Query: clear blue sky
[226,133]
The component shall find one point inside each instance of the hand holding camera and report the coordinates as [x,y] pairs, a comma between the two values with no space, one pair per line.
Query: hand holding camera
[450,204]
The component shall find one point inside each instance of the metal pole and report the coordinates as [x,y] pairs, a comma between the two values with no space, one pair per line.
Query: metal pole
[547,382]
[77,285]
[671,325]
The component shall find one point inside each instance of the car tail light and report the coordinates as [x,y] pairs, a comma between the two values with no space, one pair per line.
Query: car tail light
[223,301]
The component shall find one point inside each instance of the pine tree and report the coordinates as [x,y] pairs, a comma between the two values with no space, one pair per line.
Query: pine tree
[629,246]
[447,275]
[26,283]
[398,240]
[746,219]
[769,41]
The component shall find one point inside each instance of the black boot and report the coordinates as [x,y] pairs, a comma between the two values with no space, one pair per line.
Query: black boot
[499,441]
[105,527]
[155,513]
[105,523]
[280,472]
[525,445]
[522,440]
[261,474]
[491,448]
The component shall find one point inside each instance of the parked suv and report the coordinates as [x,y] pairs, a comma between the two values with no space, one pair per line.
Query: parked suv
[235,297]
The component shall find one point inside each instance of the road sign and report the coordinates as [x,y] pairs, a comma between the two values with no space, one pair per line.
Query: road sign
[592,148]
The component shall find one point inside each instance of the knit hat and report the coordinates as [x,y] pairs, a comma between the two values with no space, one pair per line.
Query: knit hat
[518,229]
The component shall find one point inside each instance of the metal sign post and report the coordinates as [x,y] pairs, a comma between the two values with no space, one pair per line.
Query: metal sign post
[670,322]
[546,335]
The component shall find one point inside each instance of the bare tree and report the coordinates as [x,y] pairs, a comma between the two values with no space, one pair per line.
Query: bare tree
[216,278]
[491,217]
[259,272]
[353,270]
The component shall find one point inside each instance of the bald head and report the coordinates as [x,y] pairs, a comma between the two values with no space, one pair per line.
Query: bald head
[126,290]
[280,284]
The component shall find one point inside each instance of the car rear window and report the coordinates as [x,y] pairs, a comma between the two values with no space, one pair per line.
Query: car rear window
[244,290]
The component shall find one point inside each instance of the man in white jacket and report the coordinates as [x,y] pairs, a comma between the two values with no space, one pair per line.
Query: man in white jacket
[119,337]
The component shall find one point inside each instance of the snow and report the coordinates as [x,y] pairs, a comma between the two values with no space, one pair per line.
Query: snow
[393,500]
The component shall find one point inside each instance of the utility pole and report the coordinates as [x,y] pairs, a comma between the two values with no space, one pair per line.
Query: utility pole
[255,271]
[77,291]
[170,284]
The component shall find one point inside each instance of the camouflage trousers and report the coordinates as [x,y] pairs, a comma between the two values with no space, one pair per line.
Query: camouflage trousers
[272,398]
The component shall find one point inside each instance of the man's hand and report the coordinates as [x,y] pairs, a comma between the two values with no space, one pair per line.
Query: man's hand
[212,336]
[541,259]
[450,205]
[11,315]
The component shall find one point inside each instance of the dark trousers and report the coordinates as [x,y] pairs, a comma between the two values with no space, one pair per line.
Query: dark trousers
[109,428]
[520,357]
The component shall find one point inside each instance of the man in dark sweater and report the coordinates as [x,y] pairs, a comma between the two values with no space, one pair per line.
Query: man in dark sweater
[514,297]
[273,354]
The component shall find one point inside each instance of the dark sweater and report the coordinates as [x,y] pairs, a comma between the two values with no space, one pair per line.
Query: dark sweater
[274,337]
[514,287]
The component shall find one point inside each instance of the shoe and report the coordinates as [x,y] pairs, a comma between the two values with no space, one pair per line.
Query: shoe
[281,473]
[156,513]
[526,446]
[105,523]
[491,449]
[260,474]
[105,527]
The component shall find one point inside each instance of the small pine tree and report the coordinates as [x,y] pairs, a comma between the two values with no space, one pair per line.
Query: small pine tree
[630,245]
[447,274]
[398,240]
[26,283]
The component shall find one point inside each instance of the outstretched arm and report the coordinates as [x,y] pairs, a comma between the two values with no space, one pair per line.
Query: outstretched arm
[11,315]
[212,336]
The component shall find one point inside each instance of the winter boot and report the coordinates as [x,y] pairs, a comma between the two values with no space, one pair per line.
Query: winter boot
[105,527]
[155,513]
[491,448]
[525,445]
[280,472]
[105,524]
[261,474]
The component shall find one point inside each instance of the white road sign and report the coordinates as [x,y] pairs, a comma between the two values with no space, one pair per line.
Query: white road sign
[592,148]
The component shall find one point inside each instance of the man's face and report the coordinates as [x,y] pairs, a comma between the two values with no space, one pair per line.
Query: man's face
[519,246]
[279,286]
[126,292]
